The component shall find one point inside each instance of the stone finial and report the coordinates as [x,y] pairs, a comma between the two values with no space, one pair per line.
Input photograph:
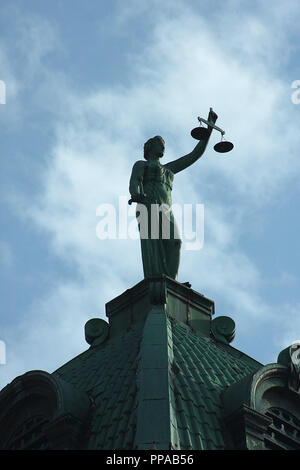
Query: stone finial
[223,329]
[96,331]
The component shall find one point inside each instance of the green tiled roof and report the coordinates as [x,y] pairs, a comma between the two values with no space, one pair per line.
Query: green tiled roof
[161,369]
[107,374]
[206,368]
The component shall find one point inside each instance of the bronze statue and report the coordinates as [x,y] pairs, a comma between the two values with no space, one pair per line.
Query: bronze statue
[151,186]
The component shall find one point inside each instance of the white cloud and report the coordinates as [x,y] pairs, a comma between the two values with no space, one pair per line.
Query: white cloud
[105,129]
[92,161]
[189,65]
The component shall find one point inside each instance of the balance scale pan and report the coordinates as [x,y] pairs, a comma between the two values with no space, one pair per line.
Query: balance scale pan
[200,133]
[223,146]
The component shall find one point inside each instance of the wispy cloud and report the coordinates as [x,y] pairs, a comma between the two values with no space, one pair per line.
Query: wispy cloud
[187,65]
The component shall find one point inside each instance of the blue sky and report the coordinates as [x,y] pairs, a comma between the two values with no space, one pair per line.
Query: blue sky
[87,83]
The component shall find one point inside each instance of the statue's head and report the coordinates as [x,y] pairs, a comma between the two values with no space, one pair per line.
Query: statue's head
[154,148]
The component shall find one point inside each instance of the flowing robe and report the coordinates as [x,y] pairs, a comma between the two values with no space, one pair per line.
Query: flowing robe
[160,239]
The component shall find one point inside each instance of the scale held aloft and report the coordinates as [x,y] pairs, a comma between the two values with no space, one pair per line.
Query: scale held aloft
[202,133]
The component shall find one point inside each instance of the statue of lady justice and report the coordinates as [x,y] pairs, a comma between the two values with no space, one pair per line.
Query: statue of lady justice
[151,186]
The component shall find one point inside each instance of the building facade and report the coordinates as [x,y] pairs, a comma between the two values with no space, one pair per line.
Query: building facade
[160,374]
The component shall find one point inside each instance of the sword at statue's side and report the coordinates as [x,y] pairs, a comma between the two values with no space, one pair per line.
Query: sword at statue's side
[142,194]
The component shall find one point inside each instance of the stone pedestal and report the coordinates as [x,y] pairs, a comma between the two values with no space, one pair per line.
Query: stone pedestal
[156,302]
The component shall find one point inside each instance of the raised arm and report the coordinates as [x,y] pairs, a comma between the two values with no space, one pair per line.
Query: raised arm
[183,162]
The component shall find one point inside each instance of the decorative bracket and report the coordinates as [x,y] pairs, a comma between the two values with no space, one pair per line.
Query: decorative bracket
[290,357]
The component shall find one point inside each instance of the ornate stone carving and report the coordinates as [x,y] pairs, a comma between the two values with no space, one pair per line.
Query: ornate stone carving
[290,357]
